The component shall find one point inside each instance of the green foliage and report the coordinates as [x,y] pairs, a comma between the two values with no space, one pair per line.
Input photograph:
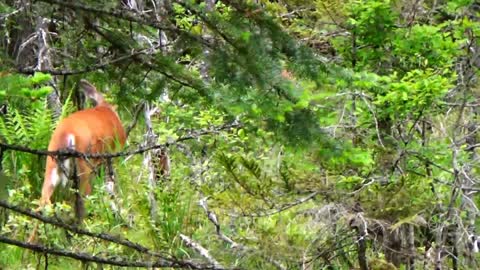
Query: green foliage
[400,199]
[457,5]
[27,123]
[372,24]
[424,46]
[411,96]
[17,88]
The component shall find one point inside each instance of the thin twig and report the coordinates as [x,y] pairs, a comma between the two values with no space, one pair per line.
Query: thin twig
[98,66]
[281,208]
[138,110]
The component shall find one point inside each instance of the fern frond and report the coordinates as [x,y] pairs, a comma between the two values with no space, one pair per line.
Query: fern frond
[67,107]
[5,132]
[41,125]
[19,127]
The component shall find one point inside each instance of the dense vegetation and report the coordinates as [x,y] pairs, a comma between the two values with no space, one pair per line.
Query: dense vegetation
[293,134]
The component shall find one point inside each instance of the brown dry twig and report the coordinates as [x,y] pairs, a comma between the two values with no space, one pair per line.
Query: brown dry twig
[71,153]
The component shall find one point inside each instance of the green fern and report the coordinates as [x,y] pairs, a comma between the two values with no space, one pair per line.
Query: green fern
[30,128]
[5,131]
[19,126]
[67,107]
[41,128]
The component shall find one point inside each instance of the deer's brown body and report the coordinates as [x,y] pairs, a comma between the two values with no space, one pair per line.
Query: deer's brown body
[95,130]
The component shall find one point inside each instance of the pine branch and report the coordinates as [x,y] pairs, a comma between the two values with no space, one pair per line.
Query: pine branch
[187,81]
[128,16]
[211,25]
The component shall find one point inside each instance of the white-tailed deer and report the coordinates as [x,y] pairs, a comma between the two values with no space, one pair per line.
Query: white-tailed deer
[94,130]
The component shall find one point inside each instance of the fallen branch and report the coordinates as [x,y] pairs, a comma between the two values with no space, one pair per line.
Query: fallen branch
[201,250]
[115,260]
